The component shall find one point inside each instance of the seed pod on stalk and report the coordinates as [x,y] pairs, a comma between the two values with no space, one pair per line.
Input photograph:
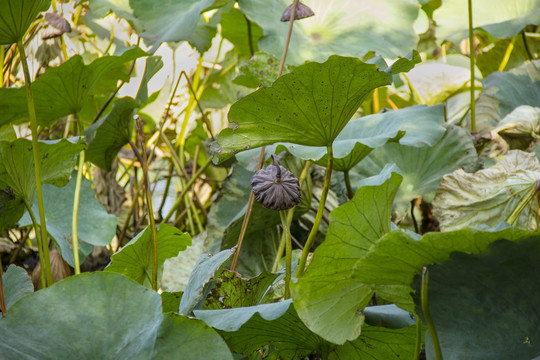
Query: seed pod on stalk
[275,187]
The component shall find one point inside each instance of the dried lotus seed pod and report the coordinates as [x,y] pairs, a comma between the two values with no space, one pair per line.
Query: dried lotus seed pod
[302,11]
[275,187]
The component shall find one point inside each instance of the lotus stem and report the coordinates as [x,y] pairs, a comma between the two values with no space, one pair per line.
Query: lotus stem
[37,163]
[427,315]
[74,225]
[471,56]
[319,216]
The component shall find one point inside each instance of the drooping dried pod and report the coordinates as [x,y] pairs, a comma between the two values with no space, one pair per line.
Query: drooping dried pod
[302,11]
[275,187]
[58,26]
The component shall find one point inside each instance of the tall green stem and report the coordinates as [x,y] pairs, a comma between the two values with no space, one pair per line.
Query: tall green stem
[427,315]
[288,251]
[37,162]
[471,55]
[320,212]
[74,228]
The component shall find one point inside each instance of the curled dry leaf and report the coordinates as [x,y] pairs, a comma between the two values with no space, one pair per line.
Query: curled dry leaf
[275,187]
[302,11]
[490,196]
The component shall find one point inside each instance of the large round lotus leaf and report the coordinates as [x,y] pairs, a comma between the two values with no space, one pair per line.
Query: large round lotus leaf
[326,297]
[101,316]
[490,196]
[16,17]
[503,92]
[500,18]
[309,106]
[342,27]
[486,306]
[422,167]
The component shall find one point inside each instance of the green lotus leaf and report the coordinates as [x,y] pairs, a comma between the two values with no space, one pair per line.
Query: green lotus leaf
[108,135]
[391,264]
[59,215]
[469,297]
[343,27]
[422,168]
[65,89]
[490,196]
[105,316]
[327,298]
[500,18]
[17,165]
[16,283]
[503,92]
[135,259]
[412,126]
[309,106]
[17,16]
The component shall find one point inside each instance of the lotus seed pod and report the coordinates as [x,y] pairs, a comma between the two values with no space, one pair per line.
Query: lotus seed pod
[302,11]
[275,187]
